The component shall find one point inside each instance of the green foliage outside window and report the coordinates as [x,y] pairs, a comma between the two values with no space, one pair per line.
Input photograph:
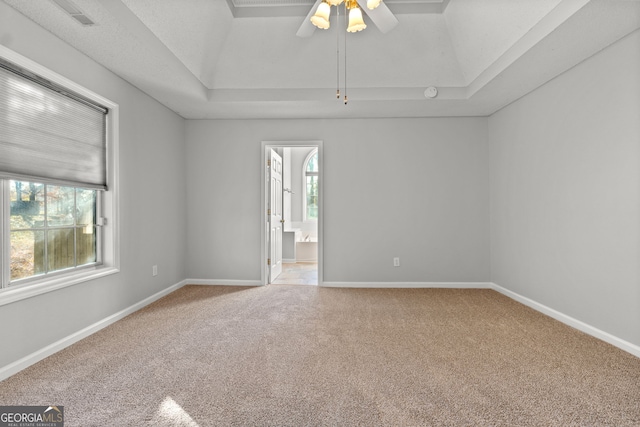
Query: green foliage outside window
[52,228]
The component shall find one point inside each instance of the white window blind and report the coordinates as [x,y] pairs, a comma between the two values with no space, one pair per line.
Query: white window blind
[49,134]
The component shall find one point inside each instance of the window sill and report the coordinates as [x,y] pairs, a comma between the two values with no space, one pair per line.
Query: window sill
[13,294]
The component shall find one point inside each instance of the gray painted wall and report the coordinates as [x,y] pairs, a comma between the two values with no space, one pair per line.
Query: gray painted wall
[152,202]
[565,192]
[412,188]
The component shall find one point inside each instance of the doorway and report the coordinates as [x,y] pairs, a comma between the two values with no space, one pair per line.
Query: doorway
[292,194]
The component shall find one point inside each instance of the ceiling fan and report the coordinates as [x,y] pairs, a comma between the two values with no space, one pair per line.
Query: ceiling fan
[376,10]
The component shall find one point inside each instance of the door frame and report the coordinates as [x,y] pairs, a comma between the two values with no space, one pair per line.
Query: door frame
[266,147]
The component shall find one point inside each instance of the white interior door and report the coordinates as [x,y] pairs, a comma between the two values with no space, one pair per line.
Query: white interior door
[274,213]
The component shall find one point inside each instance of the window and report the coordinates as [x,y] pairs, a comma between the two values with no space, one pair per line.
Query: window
[52,228]
[310,185]
[55,189]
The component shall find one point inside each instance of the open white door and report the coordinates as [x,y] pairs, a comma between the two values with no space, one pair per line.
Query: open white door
[274,212]
[271,199]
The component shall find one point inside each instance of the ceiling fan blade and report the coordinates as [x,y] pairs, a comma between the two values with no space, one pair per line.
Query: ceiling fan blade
[382,16]
[307,28]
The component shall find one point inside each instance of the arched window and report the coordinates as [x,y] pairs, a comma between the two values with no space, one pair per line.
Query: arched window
[310,185]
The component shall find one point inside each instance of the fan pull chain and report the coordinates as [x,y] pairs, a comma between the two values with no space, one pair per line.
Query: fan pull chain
[338,54]
[345,60]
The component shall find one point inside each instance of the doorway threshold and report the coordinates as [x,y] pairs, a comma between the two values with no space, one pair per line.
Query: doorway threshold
[298,273]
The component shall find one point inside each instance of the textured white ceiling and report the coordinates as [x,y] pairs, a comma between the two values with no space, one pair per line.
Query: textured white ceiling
[250,3]
[480,34]
[266,8]
[195,34]
[199,58]
[265,55]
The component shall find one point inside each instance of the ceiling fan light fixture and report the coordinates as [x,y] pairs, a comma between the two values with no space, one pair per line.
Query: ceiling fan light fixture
[372,4]
[356,23]
[321,18]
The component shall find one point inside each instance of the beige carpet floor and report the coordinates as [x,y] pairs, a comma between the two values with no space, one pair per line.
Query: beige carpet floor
[309,356]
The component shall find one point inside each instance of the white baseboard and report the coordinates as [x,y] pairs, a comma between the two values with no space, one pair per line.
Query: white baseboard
[25,362]
[17,366]
[442,285]
[570,321]
[222,282]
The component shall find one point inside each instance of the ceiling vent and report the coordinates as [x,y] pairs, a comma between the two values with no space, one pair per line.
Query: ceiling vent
[74,12]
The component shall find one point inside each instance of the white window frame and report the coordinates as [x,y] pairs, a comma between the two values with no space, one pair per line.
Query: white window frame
[304,183]
[110,236]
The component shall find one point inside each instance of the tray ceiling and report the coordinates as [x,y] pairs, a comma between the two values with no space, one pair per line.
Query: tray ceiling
[242,59]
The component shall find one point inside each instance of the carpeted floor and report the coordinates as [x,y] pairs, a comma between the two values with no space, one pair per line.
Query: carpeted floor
[303,355]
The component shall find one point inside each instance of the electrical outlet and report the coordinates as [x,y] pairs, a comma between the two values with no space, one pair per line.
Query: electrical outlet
[154,270]
[396,262]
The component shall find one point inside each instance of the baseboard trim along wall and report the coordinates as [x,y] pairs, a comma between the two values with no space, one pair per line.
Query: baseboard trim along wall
[443,285]
[570,321]
[222,282]
[25,362]
[15,367]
